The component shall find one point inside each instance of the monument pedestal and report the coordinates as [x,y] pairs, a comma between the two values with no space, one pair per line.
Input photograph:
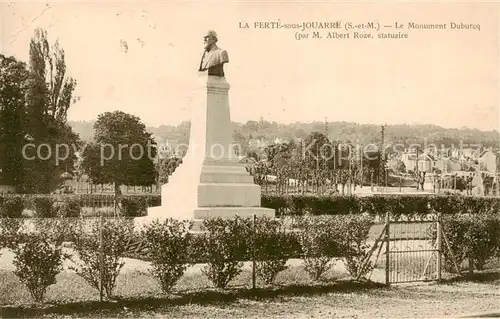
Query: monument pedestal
[210,182]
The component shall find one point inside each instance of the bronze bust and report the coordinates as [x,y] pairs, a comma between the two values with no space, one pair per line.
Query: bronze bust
[213,58]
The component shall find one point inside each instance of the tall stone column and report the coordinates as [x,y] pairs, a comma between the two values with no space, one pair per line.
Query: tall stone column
[210,182]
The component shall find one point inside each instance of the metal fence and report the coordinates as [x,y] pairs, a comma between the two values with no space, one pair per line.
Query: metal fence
[413,249]
[83,187]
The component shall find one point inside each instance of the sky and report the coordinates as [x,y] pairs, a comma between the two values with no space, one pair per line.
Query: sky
[444,77]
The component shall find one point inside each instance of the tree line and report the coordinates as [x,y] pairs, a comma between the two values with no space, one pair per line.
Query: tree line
[266,132]
[262,130]
[35,98]
[39,149]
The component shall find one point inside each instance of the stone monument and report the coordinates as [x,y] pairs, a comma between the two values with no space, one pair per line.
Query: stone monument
[210,182]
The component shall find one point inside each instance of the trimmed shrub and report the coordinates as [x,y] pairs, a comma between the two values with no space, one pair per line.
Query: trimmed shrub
[168,245]
[319,240]
[153,200]
[44,207]
[134,206]
[10,234]
[38,261]
[47,220]
[115,234]
[225,245]
[71,207]
[272,247]
[60,229]
[276,202]
[471,237]
[353,237]
[12,207]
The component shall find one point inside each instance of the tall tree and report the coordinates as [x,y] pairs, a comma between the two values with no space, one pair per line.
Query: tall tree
[317,150]
[13,89]
[49,98]
[123,153]
[48,67]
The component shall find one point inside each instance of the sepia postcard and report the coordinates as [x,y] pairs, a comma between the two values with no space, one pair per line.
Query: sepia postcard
[244,159]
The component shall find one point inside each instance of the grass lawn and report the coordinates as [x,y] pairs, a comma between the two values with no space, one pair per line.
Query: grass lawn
[341,299]
[294,296]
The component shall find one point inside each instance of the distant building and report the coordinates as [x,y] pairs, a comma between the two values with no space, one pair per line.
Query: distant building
[466,153]
[444,152]
[426,162]
[410,161]
[489,161]
[446,164]
[431,151]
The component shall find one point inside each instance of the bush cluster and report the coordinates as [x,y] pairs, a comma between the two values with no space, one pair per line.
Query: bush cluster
[339,231]
[272,247]
[168,244]
[38,260]
[474,238]
[226,243]
[100,245]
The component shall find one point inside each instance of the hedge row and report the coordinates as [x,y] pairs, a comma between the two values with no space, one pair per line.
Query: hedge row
[379,205]
[224,246]
[49,206]
[472,237]
[295,205]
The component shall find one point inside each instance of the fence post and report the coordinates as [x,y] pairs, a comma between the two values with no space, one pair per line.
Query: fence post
[387,247]
[114,200]
[439,246]
[253,254]
[101,257]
